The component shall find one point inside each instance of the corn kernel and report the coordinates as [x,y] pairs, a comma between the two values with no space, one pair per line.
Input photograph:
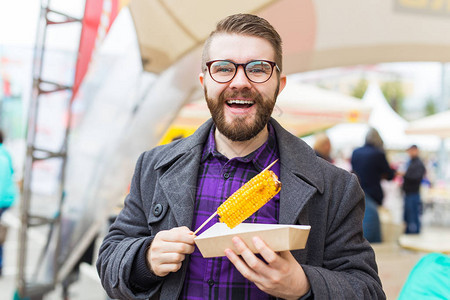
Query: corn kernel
[249,198]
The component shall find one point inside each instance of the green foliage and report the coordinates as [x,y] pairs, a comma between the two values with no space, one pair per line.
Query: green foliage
[360,88]
[394,94]
[430,107]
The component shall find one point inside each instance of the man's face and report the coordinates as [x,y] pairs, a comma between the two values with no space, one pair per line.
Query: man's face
[413,152]
[241,108]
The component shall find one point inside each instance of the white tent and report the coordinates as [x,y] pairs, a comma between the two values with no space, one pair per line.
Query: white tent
[437,124]
[384,119]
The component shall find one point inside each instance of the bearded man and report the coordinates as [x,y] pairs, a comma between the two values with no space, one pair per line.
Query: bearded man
[149,252]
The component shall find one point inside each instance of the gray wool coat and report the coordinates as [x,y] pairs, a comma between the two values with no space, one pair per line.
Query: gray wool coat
[338,261]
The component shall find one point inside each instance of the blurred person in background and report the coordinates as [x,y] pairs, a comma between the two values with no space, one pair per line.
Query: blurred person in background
[322,146]
[7,186]
[412,179]
[370,164]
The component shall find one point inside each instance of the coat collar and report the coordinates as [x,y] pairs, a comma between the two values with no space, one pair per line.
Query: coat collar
[196,140]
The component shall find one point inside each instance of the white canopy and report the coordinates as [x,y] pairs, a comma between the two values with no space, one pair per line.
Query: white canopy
[437,124]
[316,34]
[385,120]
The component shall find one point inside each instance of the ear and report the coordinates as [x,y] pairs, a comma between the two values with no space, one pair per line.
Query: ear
[282,83]
[201,77]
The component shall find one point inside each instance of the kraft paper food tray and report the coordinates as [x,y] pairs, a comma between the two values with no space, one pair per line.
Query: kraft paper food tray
[278,237]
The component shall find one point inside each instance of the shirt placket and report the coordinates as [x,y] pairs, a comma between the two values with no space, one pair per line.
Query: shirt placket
[212,270]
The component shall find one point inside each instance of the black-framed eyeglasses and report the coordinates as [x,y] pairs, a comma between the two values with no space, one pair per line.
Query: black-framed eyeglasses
[258,71]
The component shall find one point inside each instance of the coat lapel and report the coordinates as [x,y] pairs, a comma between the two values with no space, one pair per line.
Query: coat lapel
[179,184]
[294,194]
[299,174]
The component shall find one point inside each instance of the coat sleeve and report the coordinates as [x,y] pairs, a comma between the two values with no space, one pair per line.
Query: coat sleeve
[122,253]
[348,269]
[385,170]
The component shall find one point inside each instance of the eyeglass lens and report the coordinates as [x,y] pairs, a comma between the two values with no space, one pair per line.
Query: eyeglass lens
[256,71]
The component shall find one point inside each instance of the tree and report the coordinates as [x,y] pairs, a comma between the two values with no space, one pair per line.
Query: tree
[394,94]
[360,88]
[430,106]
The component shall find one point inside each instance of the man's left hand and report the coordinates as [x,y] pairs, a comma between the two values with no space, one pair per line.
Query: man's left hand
[282,276]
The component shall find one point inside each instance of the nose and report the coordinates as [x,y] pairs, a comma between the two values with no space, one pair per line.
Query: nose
[240,80]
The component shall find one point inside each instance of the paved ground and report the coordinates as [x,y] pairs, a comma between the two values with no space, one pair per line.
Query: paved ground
[88,286]
[394,265]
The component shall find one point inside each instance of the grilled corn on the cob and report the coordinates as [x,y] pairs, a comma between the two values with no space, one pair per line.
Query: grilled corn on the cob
[249,198]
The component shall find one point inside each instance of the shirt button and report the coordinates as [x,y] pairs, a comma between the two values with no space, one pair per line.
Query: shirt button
[211,282]
[226,175]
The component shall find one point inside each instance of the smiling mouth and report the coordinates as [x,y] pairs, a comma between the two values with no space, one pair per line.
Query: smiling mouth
[240,103]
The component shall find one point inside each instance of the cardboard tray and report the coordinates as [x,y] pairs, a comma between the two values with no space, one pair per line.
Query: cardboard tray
[279,237]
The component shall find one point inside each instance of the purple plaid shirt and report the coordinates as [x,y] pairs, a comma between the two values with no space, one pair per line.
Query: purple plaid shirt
[218,178]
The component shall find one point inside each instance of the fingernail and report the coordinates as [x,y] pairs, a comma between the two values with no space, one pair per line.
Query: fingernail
[257,241]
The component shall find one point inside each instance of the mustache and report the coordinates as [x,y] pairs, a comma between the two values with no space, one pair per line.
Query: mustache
[240,94]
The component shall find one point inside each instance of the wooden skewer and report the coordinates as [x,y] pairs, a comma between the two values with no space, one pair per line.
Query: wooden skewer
[269,166]
[214,214]
[206,222]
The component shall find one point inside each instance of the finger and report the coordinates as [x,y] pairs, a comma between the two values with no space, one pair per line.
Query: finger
[161,264]
[172,247]
[164,269]
[287,255]
[289,258]
[169,258]
[240,265]
[272,258]
[180,248]
[179,234]
[249,257]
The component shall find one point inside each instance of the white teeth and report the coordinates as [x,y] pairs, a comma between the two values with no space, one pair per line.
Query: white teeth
[239,102]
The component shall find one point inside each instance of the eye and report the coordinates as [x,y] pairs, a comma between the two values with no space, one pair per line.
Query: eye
[222,67]
[256,70]
[223,70]
[259,68]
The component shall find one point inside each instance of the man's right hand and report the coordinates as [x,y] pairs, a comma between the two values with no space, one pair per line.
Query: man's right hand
[168,250]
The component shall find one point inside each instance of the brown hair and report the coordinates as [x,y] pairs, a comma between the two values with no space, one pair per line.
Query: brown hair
[246,24]
[373,138]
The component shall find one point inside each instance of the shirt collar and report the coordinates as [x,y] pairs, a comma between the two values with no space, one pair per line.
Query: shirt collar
[261,157]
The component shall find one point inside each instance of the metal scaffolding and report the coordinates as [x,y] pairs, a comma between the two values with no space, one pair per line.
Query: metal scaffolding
[27,287]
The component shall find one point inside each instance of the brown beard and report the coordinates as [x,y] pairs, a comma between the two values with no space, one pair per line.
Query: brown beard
[240,130]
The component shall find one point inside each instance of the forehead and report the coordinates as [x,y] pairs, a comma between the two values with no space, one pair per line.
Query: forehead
[240,48]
